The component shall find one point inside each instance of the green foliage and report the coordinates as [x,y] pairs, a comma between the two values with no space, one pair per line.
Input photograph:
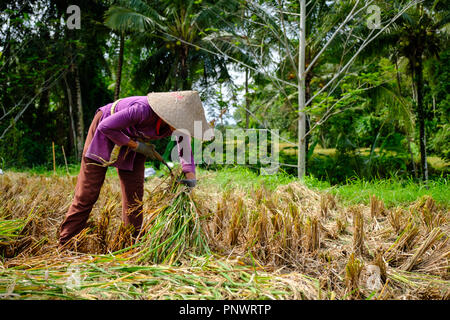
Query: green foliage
[392,191]
[441,142]
[11,153]
[173,45]
[438,99]
[232,176]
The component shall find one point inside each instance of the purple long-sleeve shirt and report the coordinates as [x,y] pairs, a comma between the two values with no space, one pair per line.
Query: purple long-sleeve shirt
[133,119]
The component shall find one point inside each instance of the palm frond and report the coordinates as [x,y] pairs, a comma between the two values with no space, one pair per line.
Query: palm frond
[132,16]
[398,108]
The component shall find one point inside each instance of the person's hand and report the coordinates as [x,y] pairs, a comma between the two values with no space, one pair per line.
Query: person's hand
[132,144]
[190,180]
[148,150]
[191,183]
[190,175]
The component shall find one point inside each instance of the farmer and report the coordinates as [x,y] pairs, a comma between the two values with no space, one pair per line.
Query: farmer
[117,137]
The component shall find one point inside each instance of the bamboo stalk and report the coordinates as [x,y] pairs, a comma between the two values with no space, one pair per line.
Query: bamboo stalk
[65,159]
[54,160]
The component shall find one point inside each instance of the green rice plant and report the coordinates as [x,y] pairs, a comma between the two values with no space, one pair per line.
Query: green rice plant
[11,229]
[174,228]
[11,236]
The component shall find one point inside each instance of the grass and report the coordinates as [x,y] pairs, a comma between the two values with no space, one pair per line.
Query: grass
[392,191]
[72,169]
[229,178]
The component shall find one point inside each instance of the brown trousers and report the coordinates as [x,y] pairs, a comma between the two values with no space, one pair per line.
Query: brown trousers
[87,190]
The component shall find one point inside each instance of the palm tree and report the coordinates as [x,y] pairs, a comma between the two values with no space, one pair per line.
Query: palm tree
[119,66]
[178,29]
[278,29]
[117,18]
[417,36]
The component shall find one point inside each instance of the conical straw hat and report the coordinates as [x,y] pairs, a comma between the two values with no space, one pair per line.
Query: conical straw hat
[181,110]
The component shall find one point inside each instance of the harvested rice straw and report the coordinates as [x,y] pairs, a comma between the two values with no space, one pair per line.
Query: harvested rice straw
[313,233]
[214,279]
[358,231]
[405,240]
[273,235]
[395,219]
[352,272]
[434,235]
[376,207]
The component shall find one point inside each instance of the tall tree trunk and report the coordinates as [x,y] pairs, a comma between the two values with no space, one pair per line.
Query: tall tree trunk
[5,56]
[408,134]
[308,79]
[80,127]
[247,101]
[72,122]
[119,68]
[411,155]
[414,89]
[184,68]
[418,81]
[301,159]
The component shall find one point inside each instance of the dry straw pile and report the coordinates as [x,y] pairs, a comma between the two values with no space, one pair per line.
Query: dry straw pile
[291,243]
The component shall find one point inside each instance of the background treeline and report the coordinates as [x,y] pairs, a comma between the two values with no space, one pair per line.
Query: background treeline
[385,114]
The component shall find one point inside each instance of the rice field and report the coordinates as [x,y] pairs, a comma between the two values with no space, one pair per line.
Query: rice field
[236,243]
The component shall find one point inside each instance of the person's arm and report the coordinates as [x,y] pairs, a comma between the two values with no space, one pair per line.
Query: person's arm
[190,175]
[113,125]
[187,163]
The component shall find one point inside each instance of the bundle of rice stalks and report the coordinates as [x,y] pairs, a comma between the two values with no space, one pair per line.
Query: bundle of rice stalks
[10,230]
[313,234]
[352,273]
[376,207]
[358,231]
[434,235]
[173,227]
[429,213]
[13,234]
[404,242]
